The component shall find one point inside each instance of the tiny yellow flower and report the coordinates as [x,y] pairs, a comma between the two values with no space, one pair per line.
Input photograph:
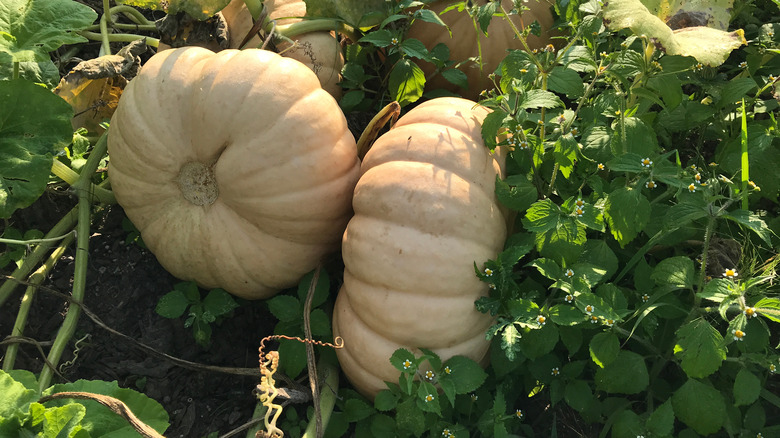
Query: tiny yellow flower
[541,320]
[446,433]
[589,309]
[523,144]
[692,188]
[492,286]
[697,177]
[602,69]
[579,202]
[646,162]
[394,41]
[569,273]
[739,335]
[569,298]
[488,272]
[772,368]
[750,312]
[603,54]
[579,212]
[407,363]
[743,64]
[730,273]
[601,166]
[430,375]
[575,131]
[523,70]
[609,322]
[555,371]
[645,298]
[519,413]
[594,319]
[772,78]
[650,184]
[429,398]
[447,370]
[474,397]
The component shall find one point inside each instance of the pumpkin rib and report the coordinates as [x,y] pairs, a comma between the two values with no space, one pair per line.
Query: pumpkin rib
[373,246]
[440,199]
[444,328]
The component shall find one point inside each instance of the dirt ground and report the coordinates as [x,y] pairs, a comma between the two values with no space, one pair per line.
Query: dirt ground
[124,284]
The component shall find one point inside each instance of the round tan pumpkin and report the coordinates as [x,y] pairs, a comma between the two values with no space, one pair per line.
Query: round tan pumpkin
[320,51]
[425,212]
[236,167]
[463,42]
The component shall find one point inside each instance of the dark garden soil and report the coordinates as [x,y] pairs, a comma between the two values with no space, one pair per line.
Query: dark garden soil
[124,284]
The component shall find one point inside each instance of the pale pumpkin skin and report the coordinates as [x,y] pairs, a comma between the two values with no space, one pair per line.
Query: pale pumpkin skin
[425,212]
[320,51]
[463,42]
[274,167]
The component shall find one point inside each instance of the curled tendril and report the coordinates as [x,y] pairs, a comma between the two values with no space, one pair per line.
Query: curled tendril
[267,390]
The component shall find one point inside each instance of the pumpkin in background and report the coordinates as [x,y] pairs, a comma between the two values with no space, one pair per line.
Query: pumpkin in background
[425,212]
[463,42]
[236,167]
[320,51]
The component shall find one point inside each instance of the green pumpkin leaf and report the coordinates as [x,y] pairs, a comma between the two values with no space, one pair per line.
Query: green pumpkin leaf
[699,348]
[99,420]
[30,29]
[627,211]
[63,420]
[627,374]
[700,406]
[34,124]
[604,348]
[406,82]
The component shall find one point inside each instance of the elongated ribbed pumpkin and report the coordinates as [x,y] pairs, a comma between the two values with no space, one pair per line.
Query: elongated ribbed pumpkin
[236,167]
[425,212]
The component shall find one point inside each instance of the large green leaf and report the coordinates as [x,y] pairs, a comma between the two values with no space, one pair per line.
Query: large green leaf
[100,421]
[699,348]
[34,124]
[30,29]
[709,45]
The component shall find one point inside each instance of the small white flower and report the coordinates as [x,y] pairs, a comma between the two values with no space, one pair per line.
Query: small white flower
[541,320]
[407,363]
[646,162]
[569,273]
[589,309]
[569,298]
[429,398]
[519,413]
[645,298]
[429,375]
[488,272]
[730,273]
[739,335]
[692,188]
[555,371]
[750,312]
[650,184]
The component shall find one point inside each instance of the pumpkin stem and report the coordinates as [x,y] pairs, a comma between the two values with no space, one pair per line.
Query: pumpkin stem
[388,113]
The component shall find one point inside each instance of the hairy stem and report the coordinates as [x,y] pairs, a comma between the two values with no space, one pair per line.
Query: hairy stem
[65,173]
[24,308]
[83,188]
